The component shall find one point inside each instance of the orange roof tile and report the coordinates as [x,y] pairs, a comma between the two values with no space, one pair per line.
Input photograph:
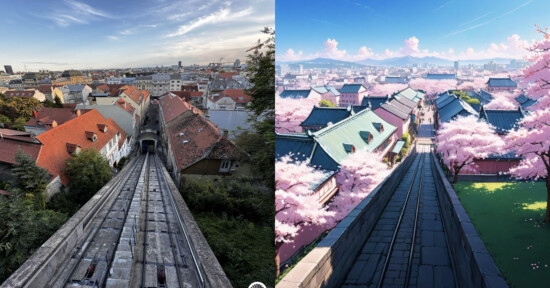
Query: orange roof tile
[54,150]
[173,106]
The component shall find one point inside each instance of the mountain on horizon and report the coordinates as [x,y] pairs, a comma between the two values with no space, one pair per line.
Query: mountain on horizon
[396,61]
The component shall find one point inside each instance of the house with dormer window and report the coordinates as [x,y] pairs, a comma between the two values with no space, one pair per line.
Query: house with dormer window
[90,130]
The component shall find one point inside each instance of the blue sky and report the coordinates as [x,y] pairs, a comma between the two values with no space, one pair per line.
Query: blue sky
[453,29]
[83,34]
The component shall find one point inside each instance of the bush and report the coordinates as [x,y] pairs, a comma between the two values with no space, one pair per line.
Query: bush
[121,162]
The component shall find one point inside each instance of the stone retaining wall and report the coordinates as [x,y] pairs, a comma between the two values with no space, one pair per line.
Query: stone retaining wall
[328,263]
[474,266]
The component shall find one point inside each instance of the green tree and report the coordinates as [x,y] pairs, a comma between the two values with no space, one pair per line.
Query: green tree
[57,102]
[48,103]
[88,171]
[23,230]
[19,124]
[262,77]
[326,103]
[5,119]
[30,179]
[21,107]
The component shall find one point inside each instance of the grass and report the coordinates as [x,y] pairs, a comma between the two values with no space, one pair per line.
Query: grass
[508,218]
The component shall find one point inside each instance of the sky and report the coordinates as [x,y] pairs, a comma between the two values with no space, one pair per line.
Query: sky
[84,34]
[354,30]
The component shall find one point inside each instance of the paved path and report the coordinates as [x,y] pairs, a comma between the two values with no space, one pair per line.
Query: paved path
[430,263]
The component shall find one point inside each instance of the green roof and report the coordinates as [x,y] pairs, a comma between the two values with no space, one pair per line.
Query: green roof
[335,138]
[398,146]
[411,94]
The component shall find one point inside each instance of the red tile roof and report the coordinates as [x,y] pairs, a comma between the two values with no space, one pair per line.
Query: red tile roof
[45,89]
[54,152]
[125,105]
[47,115]
[173,106]
[9,132]
[195,138]
[136,95]
[236,94]
[187,94]
[11,144]
[227,75]
[26,93]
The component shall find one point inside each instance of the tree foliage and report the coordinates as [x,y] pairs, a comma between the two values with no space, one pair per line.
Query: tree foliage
[326,103]
[88,171]
[20,107]
[465,139]
[290,113]
[23,230]
[532,140]
[260,143]
[30,178]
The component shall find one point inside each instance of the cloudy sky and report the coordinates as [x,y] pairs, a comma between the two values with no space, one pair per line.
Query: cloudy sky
[81,34]
[355,30]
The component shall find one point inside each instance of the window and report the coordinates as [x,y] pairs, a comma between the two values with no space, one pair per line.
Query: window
[224,167]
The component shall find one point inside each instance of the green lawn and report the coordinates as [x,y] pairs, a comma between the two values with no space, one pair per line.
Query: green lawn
[508,218]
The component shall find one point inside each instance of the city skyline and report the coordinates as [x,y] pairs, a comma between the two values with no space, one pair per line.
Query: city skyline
[453,30]
[73,34]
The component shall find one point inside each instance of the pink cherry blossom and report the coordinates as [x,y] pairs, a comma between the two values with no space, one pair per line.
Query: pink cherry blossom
[295,205]
[503,100]
[290,113]
[465,139]
[433,87]
[386,89]
[360,173]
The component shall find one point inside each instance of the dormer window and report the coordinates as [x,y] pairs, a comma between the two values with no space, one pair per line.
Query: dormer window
[91,136]
[378,127]
[349,148]
[102,127]
[366,136]
[73,148]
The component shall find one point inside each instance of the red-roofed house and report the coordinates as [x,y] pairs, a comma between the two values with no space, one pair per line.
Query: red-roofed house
[193,144]
[90,130]
[139,99]
[189,95]
[48,118]
[230,99]
[10,142]
[27,93]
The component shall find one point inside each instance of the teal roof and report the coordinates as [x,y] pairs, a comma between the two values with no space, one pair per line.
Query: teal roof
[398,146]
[375,101]
[501,82]
[457,107]
[321,116]
[411,94]
[295,94]
[326,89]
[440,76]
[502,120]
[351,131]
[351,88]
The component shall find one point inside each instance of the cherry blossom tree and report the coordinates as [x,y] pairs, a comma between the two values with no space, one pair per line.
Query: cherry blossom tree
[532,142]
[295,205]
[476,84]
[386,89]
[503,101]
[360,173]
[464,140]
[537,76]
[532,139]
[290,113]
[433,87]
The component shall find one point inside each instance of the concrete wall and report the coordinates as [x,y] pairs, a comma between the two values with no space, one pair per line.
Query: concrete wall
[329,262]
[38,270]
[212,270]
[473,264]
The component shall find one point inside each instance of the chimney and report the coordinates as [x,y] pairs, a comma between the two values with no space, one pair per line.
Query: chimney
[54,123]
[35,113]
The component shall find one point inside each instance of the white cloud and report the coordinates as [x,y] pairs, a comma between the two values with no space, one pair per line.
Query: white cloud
[75,12]
[290,55]
[126,32]
[113,37]
[222,15]
[411,46]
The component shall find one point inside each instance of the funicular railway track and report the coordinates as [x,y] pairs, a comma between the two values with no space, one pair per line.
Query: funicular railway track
[399,251]
[137,240]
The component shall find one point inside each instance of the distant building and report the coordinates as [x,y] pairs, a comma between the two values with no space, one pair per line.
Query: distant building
[285,69]
[49,118]
[352,94]
[8,69]
[26,94]
[440,76]
[179,64]
[456,65]
[230,99]
[501,84]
